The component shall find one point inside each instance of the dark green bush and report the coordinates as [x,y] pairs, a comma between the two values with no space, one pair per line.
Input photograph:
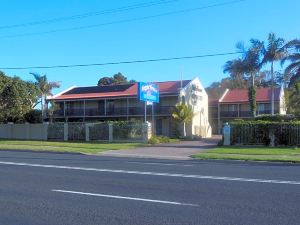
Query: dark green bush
[33,116]
[277,118]
[259,132]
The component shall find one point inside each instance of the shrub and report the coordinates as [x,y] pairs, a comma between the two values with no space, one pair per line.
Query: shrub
[33,116]
[277,118]
[158,139]
[260,131]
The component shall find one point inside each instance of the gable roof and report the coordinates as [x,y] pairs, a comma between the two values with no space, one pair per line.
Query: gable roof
[241,95]
[120,90]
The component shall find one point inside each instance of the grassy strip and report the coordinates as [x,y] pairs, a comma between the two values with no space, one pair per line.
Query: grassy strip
[252,154]
[257,151]
[56,146]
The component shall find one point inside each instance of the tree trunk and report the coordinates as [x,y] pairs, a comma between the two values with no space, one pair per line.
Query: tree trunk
[272,88]
[184,131]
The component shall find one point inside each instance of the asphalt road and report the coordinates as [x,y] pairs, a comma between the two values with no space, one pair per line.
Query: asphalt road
[42,188]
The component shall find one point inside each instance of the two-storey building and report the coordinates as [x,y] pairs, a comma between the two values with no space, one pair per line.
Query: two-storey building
[234,104]
[120,102]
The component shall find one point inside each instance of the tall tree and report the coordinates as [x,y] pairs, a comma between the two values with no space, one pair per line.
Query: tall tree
[252,66]
[247,67]
[236,70]
[16,97]
[117,78]
[45,87]
[293,57]
[184,114]
[273,51]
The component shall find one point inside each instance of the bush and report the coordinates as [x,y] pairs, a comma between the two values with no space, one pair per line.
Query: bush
[277,118]
[260,132]
[33,116]
[158,139]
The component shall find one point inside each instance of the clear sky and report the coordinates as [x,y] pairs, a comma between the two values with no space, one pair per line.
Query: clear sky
[206,31]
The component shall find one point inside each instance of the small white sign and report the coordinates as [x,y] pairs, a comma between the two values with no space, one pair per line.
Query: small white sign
[149,103]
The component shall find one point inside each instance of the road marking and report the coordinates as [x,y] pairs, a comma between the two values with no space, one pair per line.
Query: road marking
[155,173]
[127,198]
[163,164]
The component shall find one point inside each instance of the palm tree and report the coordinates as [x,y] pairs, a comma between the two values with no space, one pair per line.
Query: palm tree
[235,68]
[274,51]
[249,66]
[184,114]
[45,89]
[293,56]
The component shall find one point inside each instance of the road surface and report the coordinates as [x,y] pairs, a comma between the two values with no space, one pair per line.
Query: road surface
[68,189]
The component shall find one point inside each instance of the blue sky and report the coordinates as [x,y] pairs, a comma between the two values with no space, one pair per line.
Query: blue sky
[206,31]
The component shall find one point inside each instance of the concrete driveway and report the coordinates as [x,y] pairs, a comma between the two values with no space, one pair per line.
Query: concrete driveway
[179,150]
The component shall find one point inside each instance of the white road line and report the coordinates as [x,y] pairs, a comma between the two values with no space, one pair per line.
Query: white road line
[163,164]
[127,198]
[155,173]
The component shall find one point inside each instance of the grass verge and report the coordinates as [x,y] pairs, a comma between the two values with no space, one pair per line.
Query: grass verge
[57,146]
[252,154]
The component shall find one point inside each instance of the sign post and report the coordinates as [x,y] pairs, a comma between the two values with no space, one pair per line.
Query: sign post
[149,93]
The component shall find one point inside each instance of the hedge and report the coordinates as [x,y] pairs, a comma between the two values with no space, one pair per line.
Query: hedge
[261,132]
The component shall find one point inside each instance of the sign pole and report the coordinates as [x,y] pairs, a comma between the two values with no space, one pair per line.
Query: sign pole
[153,119]
[145,112]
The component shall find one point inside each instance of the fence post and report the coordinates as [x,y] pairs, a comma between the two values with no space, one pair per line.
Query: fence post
[66,132]
[226,134]
[147,131]
[110,132]
[10,133]
[87,132]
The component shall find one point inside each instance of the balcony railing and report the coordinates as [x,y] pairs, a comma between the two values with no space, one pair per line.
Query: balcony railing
[242,114]
[114,111]
[229,114]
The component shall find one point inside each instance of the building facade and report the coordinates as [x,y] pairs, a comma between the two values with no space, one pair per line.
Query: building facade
[120,102]
[234,104]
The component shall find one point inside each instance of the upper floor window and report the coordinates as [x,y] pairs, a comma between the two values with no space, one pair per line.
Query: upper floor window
[232,108]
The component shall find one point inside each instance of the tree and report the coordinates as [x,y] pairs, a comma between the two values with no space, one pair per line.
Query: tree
[236,70]
[45,87]
[117,78]
[294,99]
[293,56]
[105,81]
[184,114]
[16,97]
[252,65]
[247,68]
[274,51]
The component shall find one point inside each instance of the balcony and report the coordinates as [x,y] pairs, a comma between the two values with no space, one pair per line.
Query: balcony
[113,111]
[229,114]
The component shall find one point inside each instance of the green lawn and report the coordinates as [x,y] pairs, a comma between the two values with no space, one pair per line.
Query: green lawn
[57,146]
[252,153]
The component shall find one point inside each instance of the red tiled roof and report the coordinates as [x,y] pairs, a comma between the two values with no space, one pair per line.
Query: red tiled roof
[128,90]
[241,95]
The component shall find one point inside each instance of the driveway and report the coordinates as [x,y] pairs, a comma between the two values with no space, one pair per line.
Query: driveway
[179,150]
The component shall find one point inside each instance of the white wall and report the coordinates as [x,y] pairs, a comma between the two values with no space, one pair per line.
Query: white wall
[196,96]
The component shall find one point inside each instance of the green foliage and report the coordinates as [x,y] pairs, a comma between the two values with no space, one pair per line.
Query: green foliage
[278,118]
[16,98]
[158,139]
[124,130]
[118,78]
[259,132]
[294,99]
[33,116]
[252,99]
[183,113]
[45,89]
